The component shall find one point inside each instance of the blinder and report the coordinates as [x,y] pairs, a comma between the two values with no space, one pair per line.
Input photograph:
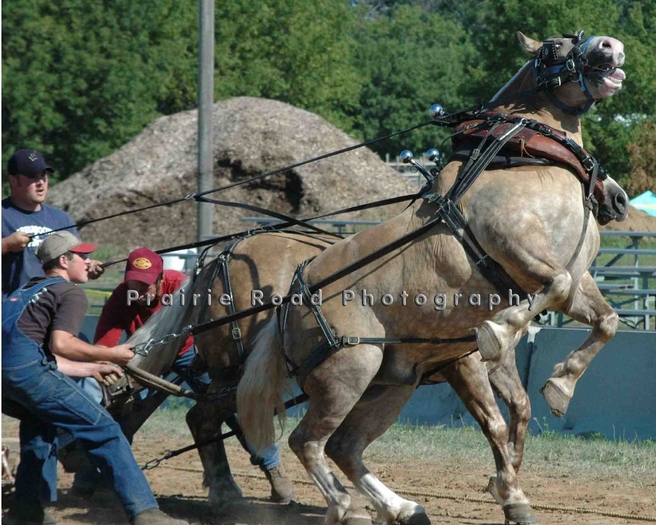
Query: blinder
[552,71]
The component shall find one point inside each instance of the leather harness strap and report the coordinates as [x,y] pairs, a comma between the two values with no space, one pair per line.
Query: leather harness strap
[537,140]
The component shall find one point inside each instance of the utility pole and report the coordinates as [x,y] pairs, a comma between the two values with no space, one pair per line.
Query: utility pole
[205,114]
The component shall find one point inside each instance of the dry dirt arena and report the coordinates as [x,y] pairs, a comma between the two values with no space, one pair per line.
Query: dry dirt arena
[178,487]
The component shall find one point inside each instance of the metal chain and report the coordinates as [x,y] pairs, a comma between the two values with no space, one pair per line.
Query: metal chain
[143,349]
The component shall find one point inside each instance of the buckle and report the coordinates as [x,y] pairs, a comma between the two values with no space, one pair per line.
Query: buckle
[350,341]
[588,163]
[236,333]
[570,65]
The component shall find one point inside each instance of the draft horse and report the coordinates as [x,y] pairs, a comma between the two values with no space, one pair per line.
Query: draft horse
[354,359]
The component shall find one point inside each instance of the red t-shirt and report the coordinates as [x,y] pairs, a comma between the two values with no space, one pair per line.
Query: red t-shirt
[117,316]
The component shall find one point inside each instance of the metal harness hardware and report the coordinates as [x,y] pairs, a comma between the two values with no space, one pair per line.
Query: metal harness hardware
[143,349]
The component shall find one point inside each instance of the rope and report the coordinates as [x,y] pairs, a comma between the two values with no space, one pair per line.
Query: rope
[442,495]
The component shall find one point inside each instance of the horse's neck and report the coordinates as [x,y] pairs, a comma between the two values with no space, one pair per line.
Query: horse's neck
[537,106]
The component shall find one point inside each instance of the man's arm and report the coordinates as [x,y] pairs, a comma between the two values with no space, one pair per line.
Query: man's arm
[67,345]
[16,242]
[81,369]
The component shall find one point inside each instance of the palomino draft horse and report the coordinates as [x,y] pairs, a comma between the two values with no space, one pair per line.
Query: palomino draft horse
[350,357]
[265,262]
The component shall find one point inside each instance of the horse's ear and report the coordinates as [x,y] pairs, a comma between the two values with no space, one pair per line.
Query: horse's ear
[530,46]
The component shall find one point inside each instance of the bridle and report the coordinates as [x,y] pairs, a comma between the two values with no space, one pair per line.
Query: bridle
[552,71]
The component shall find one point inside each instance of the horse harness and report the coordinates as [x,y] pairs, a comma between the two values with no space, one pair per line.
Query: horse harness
[505,141]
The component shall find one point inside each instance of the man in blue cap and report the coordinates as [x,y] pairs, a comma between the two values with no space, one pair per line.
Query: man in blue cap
[26,220]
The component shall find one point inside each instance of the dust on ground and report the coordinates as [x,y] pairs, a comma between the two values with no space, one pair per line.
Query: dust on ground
[177,485]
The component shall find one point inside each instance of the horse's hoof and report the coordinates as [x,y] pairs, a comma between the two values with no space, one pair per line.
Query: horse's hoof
[520,513]
[489,341]
[557,399]
[417,519]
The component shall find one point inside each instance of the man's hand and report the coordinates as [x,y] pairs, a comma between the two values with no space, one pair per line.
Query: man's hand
[122,354]
[107,373]
[16,242]
[96,269]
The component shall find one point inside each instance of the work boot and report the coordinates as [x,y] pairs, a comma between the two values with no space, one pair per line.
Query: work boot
[282,490]
[29,514]
[155,517]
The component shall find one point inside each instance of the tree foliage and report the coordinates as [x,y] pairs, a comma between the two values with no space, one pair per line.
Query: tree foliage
[80,79]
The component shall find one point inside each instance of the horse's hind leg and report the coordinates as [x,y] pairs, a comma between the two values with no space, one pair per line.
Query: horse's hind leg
[588,306]
[507,384]
[204,421]
[334,388]
[470,381]
[368,420]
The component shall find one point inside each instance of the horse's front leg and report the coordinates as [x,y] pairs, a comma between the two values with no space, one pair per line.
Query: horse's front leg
[470,381]
[532,258]
[587,306]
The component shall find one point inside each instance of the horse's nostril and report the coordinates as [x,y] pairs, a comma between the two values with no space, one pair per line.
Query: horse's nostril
[620,202]
[606,43]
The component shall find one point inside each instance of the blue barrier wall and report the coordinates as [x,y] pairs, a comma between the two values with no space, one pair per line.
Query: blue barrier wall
[616,396]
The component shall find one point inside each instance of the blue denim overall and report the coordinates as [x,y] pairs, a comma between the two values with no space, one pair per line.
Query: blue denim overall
[44,399]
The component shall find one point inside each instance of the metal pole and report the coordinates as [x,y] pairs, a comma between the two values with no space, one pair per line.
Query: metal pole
[205,113]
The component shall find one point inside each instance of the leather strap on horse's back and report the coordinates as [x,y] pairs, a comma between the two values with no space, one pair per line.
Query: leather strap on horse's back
[532,144]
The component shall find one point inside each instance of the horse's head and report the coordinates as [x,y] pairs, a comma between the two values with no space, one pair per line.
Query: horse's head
[616,204]
[574,71]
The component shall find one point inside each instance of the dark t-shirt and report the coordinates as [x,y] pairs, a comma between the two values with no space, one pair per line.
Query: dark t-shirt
[20,267]
[58,307]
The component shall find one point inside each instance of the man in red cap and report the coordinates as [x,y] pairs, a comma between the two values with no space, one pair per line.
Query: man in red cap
[136,299]
[131,304]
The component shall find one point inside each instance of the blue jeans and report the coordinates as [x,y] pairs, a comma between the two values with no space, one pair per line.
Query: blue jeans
[269,459]
[46,400]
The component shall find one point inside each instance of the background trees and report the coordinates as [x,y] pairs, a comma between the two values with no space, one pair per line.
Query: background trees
[80,79]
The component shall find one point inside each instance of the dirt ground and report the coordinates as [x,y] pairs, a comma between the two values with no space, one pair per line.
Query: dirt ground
[178,487]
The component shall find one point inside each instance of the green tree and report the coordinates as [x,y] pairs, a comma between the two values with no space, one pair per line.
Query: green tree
[296,51]
[411,59]
[643,160]
[81,78]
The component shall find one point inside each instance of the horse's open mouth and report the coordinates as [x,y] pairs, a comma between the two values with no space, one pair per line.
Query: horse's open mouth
[615,77]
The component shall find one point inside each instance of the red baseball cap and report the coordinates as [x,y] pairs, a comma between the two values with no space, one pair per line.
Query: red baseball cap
[144,265]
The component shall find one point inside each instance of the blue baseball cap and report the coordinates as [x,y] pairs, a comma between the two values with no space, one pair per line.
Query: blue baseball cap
[27,162]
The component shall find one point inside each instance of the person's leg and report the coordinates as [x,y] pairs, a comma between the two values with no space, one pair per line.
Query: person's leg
[88,478]
[282,489]
[56,400]
[36,476]
[198,382]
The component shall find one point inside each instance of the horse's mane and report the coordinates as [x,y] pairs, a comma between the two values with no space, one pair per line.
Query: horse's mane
[516,83]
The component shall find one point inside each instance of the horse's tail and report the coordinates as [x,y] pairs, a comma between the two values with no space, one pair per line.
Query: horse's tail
[260,388]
